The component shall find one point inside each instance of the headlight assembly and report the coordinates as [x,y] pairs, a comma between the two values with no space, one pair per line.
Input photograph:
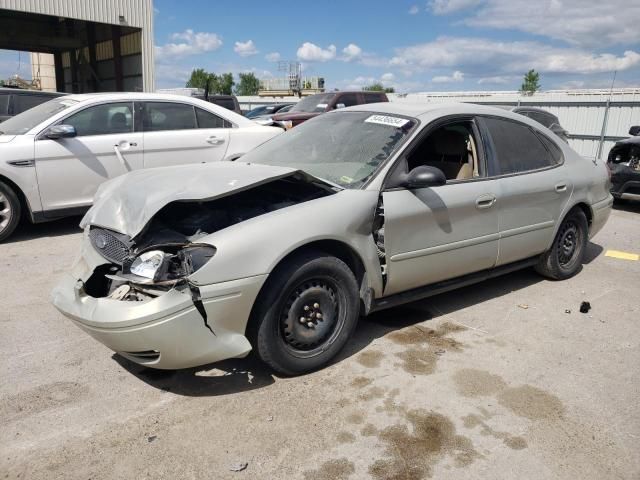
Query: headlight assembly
[167,265]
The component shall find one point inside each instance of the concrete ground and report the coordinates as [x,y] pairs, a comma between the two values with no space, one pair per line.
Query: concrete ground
[492,381]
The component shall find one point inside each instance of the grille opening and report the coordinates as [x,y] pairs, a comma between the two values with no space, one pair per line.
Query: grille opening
[112,246]
[98,285]
[145,356]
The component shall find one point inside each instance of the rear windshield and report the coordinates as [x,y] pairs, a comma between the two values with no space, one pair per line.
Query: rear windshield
[314,103]
[25,121]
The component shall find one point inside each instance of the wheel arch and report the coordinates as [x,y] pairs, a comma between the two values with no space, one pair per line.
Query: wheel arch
[336,248]
[22,198]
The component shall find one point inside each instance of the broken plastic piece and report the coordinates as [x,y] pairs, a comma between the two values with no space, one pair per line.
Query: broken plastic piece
[567,311]
[524,306]
[585,307]
[238,467]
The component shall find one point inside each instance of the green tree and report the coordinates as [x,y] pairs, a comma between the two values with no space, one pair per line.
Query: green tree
[199,79]
[226,84]
[378,87]
[248,84]
[531,83]
[374,87]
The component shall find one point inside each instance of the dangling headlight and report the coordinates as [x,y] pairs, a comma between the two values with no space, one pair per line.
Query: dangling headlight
[170,266]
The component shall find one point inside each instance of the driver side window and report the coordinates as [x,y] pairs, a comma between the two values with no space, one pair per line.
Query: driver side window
[452,148]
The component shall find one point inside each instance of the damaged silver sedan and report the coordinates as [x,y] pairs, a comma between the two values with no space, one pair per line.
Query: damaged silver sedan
[357,210]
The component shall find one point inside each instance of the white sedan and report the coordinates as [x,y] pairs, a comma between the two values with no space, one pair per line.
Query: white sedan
[54,156]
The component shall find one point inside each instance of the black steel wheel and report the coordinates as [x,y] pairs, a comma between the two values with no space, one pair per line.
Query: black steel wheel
[305,313]
[564,258]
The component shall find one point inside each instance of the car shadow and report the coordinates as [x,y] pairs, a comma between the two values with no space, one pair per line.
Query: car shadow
[55,228]
[213,380]
[241,375]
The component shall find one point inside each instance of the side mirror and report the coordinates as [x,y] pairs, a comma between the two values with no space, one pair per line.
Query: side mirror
[61,131]
[635,130]
[340,105]
[423,177]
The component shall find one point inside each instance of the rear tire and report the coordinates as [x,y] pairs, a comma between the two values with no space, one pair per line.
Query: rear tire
[305,314]
[10,211]
[564,259]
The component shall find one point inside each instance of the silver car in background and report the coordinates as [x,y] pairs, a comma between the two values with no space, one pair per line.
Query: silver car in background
[354,211]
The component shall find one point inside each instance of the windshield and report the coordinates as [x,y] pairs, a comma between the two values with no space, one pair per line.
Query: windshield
[314,103]
[344,148]
[25,121]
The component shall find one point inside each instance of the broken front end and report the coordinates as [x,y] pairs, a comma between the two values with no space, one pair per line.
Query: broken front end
[138,294]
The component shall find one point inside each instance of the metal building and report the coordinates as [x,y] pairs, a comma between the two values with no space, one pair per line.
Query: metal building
[97,45]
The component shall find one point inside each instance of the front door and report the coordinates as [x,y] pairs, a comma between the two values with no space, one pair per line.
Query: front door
[70,170]
[437,233]
[178,133]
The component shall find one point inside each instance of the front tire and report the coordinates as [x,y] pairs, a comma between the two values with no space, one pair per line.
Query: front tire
[9,211]
[564,259]
[305,314]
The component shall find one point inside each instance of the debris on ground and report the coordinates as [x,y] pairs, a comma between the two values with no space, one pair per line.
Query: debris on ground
[238,467]
[585,307]
[151,438]
[270,418]
[523,306]
[567,311]
[440,352]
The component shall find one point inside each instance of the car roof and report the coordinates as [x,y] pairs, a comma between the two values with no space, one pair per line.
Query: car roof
[419,110]
[24,91]
[80,97]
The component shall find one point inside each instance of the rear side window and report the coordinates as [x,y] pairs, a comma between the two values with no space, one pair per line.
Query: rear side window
[22,103]
[160,116]
[105,119]
[554,150]
[348,99]
[4,103]
[209,120]
[374,97]
[516,147]
[227,103]
[543,119]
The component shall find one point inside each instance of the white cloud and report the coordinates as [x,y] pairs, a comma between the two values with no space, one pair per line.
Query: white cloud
[310,52]
[445,7]
[580,23]
[351,52]
[497,80]
[245,49]
[388,77]
[414,10]
[457,76]
[483,57]
[272,57]
[188,43]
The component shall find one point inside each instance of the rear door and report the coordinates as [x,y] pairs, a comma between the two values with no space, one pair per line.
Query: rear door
[71,169]
[533,186]
[177,133]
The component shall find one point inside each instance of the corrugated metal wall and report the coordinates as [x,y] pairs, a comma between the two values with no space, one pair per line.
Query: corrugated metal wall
[135,13]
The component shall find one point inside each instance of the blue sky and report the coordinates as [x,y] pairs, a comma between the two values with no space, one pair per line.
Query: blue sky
[436,45]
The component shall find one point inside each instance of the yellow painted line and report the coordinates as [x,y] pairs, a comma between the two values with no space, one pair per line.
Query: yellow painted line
[622,255]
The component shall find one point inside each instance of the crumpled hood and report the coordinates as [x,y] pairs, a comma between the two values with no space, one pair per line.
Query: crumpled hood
[127,203]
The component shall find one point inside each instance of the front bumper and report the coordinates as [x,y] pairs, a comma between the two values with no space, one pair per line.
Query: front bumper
[166,332]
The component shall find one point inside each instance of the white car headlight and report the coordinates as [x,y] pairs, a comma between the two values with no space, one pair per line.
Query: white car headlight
[147,264]
[171,266]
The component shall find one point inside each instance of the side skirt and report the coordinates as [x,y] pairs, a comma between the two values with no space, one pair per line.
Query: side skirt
[447,285]
[48,215]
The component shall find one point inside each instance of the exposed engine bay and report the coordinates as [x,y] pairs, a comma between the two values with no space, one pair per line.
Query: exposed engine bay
[168,250]
[627,154]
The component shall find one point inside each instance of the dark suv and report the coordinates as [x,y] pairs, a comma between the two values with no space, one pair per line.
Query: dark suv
[624,165]
[14,100]
[315,105]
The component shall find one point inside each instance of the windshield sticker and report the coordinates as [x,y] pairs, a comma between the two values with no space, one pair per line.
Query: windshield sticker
[387,120]
[322,105]
[345,179]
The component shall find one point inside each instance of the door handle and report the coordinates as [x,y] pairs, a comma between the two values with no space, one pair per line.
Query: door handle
[124,145]
[213,140]
[485,201]
[561,187]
